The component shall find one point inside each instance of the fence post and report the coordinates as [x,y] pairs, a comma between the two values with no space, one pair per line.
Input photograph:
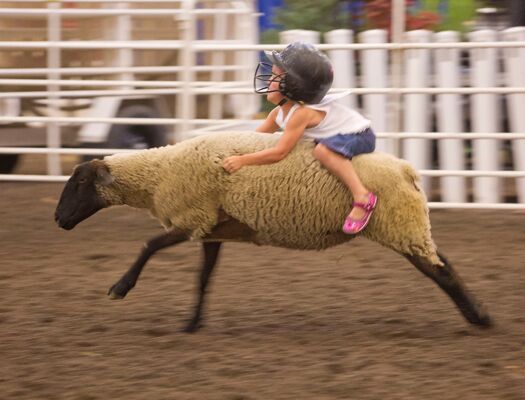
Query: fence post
[245,106]
[124,57]
[374,67]
[53,137]
[220,27]
[485,117]
[185,101]
[515,76]
[450,118]
[343,62]
[302,35]
[416,115]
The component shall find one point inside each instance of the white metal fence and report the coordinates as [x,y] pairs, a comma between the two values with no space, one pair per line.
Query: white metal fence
[436,97]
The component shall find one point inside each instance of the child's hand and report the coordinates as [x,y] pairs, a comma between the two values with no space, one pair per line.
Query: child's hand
[232,164]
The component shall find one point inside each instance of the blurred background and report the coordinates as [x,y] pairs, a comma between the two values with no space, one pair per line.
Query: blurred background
[441,81]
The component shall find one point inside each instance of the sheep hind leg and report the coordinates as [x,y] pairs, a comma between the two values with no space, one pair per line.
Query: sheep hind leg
[211,253]
[129,279]
[448,280]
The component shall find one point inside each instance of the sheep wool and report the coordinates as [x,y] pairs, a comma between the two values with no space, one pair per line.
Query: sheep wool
[294,203]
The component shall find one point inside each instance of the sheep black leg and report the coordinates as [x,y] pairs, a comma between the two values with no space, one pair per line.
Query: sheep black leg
[211,253]
[129,279]
[448,280]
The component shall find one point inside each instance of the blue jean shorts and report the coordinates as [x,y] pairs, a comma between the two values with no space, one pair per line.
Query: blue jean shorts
[351,144]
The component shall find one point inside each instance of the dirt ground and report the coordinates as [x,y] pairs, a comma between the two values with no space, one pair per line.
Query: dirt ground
[353,322]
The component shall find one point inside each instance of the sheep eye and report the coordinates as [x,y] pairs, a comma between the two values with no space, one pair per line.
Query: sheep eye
[82,180]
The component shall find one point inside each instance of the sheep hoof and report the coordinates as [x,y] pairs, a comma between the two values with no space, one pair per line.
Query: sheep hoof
[486,322]
[192,327]
[483,320]
[476,314]
[119,290]
[114,296]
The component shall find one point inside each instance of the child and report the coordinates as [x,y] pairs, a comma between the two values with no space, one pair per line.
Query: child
[299,80]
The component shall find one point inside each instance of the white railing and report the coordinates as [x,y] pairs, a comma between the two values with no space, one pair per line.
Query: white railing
[211,45]
[110,1]
[112,70]
[486,84]
[108,12]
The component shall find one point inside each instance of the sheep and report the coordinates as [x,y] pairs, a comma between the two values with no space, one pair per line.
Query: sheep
[294,203]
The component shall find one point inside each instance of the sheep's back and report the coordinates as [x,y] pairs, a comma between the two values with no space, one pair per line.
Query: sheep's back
[298,204]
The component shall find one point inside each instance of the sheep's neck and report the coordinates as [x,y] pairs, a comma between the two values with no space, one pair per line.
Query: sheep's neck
[136,187]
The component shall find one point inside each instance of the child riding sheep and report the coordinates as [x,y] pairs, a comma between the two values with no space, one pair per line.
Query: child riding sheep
[299,80]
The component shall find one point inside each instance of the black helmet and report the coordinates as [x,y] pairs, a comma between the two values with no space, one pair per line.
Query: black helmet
[307,77]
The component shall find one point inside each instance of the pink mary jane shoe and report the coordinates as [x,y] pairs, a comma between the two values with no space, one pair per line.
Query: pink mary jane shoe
[353,226]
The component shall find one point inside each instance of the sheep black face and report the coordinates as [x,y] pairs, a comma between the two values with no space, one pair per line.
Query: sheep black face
[79,199]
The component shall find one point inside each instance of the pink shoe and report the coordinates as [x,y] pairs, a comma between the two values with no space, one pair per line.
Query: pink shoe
[353,226]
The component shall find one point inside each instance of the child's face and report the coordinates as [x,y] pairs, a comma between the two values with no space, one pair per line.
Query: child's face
[275,97]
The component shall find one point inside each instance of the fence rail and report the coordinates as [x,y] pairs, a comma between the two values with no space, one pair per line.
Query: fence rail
[207,88]
[236,122]
[114,70]
[108,12]
[111,1]
[218,45]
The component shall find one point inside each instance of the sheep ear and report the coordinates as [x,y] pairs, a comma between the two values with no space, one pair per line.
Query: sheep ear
[104,177]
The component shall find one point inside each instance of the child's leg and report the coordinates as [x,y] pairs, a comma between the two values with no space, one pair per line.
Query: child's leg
[342,168]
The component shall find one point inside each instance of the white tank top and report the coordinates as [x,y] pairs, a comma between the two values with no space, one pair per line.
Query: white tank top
[338,118]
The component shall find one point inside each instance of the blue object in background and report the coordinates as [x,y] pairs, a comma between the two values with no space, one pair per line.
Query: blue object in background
[267,8]
[356,11]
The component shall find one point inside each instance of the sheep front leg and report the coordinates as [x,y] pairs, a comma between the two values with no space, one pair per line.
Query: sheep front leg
[228,229]
[448,280]
[211,253]
[129,279]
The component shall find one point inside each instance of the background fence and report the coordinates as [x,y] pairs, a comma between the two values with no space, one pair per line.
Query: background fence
[453,108]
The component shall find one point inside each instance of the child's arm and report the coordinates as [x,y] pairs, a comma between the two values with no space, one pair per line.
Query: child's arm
[293,132]
[269,125]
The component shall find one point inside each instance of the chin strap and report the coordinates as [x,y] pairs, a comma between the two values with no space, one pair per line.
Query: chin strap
[283,102]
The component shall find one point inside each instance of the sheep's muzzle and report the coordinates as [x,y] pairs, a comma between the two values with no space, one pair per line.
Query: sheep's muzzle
[79,199]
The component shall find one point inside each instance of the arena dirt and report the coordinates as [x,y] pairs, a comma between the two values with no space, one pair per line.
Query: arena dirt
[353,322]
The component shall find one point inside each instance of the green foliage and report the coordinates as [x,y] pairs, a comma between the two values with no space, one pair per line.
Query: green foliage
[316,15]
[458,12]
[270,36]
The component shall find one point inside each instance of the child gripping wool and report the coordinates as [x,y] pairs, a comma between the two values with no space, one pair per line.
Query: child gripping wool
[297,84]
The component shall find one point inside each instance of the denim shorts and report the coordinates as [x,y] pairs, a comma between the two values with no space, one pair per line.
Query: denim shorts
[351,144]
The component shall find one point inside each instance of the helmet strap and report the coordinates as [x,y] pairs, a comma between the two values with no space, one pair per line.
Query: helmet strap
[283,102]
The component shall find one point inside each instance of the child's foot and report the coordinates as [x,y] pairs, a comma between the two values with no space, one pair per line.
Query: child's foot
[360,214]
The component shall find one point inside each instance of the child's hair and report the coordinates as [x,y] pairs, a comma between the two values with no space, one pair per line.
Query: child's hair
[307,76]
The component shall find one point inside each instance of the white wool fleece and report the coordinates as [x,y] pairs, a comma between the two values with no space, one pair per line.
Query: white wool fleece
[294,203]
